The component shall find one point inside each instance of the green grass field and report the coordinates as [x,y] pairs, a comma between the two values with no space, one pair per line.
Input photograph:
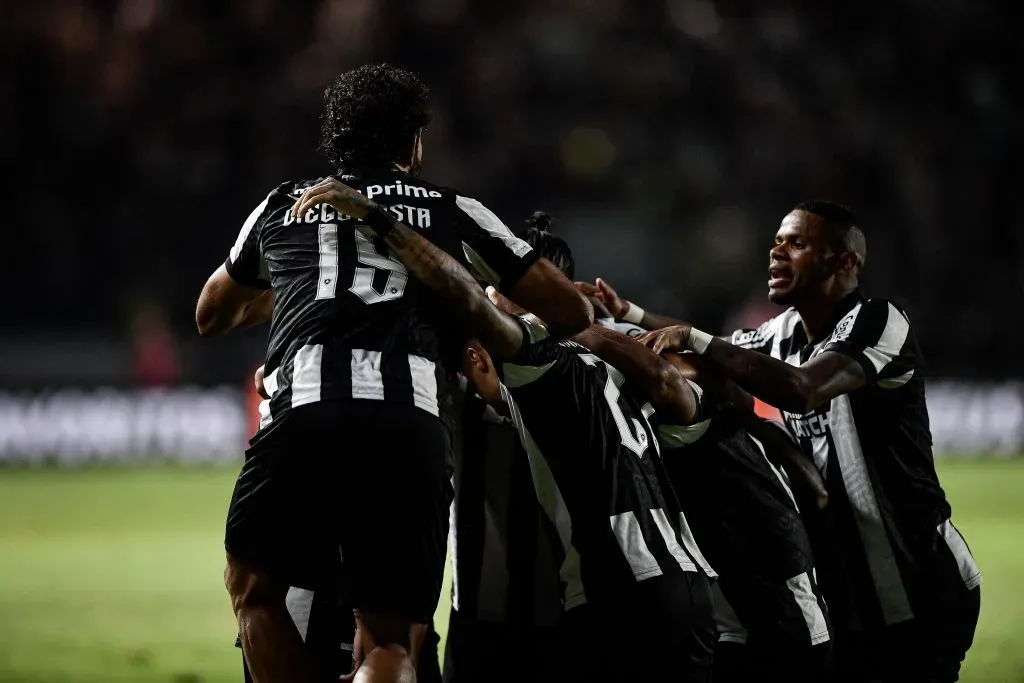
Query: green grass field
[115,575]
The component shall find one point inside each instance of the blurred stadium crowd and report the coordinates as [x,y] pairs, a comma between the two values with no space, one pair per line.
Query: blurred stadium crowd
[668,138]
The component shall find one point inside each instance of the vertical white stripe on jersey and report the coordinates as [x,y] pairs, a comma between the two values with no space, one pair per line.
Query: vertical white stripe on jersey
[889,345]
[885,574]
[327,281]
[807,601]
[630,537]
[486,219]
[969,571]
[779,474]
[307,369]
[668,534]
[247,227]
[690,543]
[367,382]
[784,330]
[424,384]
[550,499]
[453,542]
[299,602]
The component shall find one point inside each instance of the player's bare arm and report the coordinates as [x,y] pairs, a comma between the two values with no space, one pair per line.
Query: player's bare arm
[544,291]
[445,276]
[795,389]
[225,305]
[653,376]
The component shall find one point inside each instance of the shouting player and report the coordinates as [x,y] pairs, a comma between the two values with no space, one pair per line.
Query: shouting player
[354,442]
[628,565]
[846,372]
[772,621]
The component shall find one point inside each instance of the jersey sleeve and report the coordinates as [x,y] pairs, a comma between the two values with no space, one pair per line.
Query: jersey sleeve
[539,355]
[494,254]
[245,262]
[762,338]
[674,436]
[877,335]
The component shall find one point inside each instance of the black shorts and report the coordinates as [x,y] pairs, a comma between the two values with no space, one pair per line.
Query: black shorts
[928,649]
[479,651]
[368,480]
[745,662]
[662,624]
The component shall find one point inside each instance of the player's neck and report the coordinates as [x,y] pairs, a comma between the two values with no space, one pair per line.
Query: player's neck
[818,314]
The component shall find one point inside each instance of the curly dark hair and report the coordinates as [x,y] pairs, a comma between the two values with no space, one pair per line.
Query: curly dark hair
[371,116]
[552,247]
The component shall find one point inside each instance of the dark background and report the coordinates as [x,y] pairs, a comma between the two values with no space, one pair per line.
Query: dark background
[668,139]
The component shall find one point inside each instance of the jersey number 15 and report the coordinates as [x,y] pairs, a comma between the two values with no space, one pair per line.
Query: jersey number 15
[362,280]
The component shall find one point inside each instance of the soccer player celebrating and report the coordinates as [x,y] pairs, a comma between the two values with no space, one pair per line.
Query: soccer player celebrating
[846,372]
[772,621]
[354,442]
[628,565]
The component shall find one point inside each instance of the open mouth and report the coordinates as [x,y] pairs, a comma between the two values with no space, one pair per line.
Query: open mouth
[779,275]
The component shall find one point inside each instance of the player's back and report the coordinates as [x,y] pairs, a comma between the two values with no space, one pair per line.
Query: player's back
[747,522]
[349,322]
[597,472]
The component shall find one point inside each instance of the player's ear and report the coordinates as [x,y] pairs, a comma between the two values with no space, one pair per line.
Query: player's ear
[475,359]
[849,261]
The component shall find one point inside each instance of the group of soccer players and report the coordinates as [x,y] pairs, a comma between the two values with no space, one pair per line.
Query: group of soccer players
[615,508]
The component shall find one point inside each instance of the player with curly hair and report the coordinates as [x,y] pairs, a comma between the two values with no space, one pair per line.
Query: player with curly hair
[354,446]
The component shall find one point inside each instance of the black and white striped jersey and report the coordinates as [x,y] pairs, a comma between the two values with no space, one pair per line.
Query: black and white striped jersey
[892,545]
[503,558]
[349,322]
[596,470]
[746,521]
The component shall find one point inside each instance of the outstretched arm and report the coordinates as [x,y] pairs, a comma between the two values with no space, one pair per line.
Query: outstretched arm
[665,387]
[431,265]
[795,389]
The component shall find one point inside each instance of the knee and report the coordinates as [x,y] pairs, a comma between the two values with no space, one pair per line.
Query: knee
[248,587]
[390,633]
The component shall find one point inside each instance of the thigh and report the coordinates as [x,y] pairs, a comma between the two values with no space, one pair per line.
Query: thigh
[932,648]
[397,500]
[685,635]
[576,659]
[428,668]
[732,664]
[483,652]
[280,518]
